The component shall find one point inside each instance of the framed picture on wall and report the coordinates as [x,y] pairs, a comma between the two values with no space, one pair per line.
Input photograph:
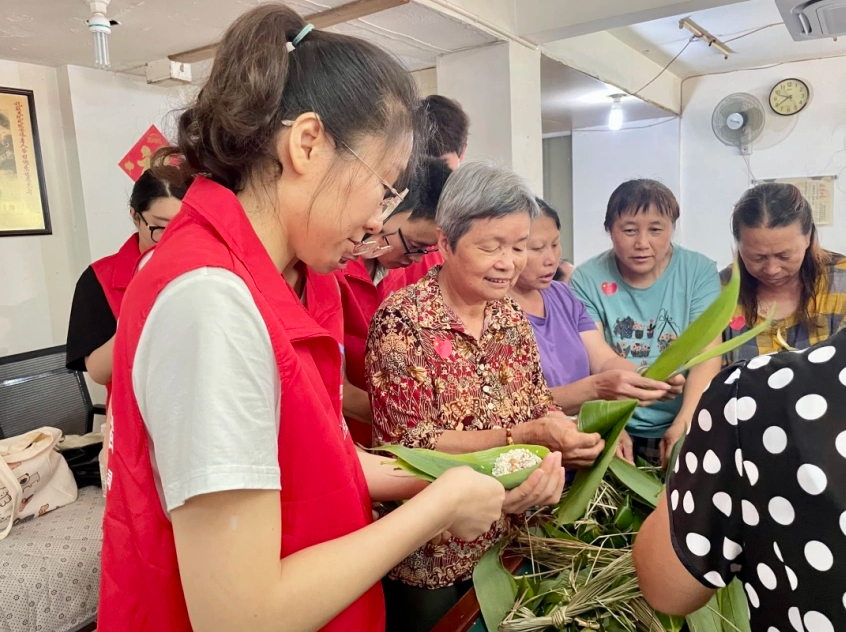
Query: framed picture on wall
[23,194]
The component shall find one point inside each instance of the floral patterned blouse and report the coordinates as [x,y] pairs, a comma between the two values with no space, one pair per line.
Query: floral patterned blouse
[426,376]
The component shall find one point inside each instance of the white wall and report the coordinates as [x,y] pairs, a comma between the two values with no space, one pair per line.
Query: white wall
[498,86]
[602,160]
[427,81]
[38,273]
[713,176]
[110,113]
[558,185]
[87,121]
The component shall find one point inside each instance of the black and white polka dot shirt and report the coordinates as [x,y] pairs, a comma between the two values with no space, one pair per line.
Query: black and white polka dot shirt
[759,490]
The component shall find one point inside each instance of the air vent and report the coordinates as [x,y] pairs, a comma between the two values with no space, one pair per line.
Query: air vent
[813,19]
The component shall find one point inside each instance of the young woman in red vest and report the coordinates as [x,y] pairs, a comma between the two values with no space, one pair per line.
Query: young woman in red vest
[99,291]
[237,499]
[408,236]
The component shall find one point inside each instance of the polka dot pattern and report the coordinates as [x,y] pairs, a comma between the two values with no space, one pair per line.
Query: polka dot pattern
[823,354]
[780,378]
[731,550]
[812,479]
[759,491]
[705,421]
[711,462]
[819,556]
[775,440]
[811,407]
[781,510]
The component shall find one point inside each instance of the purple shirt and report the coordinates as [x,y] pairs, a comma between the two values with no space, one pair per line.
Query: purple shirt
[564,359]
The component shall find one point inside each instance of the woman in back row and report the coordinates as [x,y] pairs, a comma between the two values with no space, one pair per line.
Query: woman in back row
[578,363]
[782,264]
[642,294]
[155,200]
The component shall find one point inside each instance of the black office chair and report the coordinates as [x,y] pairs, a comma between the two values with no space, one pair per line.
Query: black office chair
[36,390]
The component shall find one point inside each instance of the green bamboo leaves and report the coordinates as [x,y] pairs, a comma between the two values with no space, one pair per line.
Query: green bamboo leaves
[608,419]
[430,464]
[727,611]
[495,588]
[646,487]
[700,333]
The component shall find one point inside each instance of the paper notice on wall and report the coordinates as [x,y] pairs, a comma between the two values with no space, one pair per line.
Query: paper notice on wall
[819,191]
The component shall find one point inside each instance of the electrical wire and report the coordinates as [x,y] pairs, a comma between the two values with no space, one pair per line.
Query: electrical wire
[625,129]
[753,31]
[664,69]
[751,175]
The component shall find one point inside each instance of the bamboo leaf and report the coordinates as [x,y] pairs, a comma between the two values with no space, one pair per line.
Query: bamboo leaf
[671,623]
[644,486]
[599,414]
[734,607]
[674,455]
[602,416]
[700,333]
[706,619]
[729,345]
[430,464]
[496,589]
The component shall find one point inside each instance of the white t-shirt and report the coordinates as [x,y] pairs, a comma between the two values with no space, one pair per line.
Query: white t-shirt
[207,385]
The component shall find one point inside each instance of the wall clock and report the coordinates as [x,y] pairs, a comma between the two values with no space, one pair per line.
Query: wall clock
[789,97]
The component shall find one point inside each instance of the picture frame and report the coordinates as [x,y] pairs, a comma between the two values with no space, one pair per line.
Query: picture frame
[23,191]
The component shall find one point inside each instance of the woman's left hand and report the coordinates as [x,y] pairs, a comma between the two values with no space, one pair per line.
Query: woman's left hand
[671,437]
[625,447]
[543,487]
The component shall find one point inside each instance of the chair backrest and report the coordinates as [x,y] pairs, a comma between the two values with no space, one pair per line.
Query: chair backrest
[36,390]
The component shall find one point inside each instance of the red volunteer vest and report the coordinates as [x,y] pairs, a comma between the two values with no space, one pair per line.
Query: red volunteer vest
[360,300]
[324,494]
[115,272]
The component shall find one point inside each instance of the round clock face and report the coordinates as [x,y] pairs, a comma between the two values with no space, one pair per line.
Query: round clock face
[789,97]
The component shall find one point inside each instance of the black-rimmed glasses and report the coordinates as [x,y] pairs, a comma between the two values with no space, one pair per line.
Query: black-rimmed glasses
[155,231]
[417,251]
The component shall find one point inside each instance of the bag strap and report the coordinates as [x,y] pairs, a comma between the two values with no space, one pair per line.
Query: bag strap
[13,486]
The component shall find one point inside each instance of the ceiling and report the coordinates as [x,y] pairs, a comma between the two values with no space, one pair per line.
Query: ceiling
[573,100]
[661,40]
[54,32]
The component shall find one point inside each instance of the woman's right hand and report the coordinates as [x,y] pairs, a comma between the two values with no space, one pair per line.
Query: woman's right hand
[620,384]
[561,434]
[477,501]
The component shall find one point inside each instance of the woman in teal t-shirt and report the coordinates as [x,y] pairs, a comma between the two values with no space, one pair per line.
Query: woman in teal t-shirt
[642,294]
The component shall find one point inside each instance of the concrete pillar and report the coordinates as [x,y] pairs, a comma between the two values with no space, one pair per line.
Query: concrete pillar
[499,87]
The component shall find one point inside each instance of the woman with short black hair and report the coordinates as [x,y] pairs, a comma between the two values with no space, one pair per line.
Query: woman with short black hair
[642,293]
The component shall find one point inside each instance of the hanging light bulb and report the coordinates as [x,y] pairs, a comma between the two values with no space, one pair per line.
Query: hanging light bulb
[615,116]
[100,27]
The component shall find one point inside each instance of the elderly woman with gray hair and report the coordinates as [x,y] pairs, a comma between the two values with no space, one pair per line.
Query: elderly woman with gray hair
[452,365]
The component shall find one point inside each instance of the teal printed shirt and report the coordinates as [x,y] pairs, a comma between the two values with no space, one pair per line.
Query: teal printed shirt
[639,323]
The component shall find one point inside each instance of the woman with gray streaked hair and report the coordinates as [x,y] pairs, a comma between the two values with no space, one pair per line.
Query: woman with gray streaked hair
[452,365]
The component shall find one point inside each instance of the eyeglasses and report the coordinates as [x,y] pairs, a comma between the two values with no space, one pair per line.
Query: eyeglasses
[154,235]
[418,251]
[389,203]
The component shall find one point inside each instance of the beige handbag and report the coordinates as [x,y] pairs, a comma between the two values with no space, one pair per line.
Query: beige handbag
[34,478]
